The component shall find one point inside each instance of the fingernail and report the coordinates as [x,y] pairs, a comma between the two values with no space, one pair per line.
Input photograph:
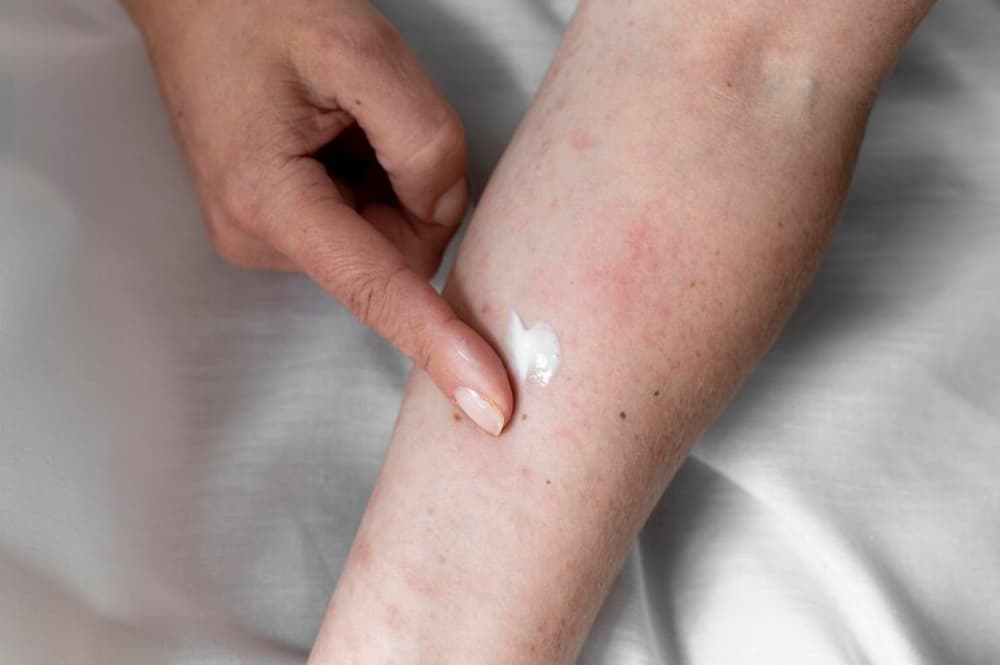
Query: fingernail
[480,410]
[451,205]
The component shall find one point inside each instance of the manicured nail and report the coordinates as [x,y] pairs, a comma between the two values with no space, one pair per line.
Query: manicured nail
[451,205]
[480,410]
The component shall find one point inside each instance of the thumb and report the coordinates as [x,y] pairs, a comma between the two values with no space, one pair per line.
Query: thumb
[416,134]
[308,222]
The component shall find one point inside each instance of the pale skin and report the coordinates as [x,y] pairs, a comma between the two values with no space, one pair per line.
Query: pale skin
[663,207]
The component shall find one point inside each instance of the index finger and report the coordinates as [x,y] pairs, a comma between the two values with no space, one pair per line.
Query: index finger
[307,220]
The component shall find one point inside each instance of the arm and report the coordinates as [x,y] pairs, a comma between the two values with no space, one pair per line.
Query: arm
[663,207]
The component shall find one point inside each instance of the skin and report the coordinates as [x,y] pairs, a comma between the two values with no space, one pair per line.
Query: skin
[663,207]
[317,143]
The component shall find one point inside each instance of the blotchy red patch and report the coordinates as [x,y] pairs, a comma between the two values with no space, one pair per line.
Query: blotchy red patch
[625,276]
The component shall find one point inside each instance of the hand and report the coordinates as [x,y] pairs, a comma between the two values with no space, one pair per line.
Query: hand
[317,143]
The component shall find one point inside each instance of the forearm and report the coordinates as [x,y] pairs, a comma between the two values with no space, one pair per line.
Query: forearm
[663,209]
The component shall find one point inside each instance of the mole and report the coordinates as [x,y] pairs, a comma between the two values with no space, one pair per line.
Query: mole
[622,415]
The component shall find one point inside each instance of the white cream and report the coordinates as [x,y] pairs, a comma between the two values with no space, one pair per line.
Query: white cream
[533,352]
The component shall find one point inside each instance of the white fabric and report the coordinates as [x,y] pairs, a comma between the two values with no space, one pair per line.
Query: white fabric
[186,449]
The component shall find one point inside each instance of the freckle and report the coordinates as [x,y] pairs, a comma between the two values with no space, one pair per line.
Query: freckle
[358,102]
[729,84]
[781,224]
[524,416]
[456,417]
[622,415]
[485,309]
[548,482]
[180,114]
[691,284]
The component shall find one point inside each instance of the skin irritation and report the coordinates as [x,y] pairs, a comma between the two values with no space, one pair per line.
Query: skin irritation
[618,281]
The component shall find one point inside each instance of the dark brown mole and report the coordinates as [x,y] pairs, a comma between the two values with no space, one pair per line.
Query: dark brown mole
[656,393]
[622,415]
[548,482]
[456,417]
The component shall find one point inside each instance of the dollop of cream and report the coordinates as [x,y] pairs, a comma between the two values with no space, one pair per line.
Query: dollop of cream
[533,352]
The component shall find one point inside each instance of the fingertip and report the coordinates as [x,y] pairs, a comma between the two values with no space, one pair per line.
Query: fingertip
[450,207]
[481,410]
[470,373]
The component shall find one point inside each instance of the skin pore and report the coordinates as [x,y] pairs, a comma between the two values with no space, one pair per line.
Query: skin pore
[662,207]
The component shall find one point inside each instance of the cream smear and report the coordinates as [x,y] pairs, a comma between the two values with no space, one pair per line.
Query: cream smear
[533,353]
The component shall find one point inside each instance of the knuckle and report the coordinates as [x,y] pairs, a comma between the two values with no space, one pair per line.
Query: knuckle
[228,250]
[238,200]
[373,299]
[360,42]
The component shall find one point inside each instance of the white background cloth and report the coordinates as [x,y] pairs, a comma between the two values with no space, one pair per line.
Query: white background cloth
[186,449]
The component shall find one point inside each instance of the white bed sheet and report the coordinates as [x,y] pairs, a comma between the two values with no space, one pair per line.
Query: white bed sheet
[186,449]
